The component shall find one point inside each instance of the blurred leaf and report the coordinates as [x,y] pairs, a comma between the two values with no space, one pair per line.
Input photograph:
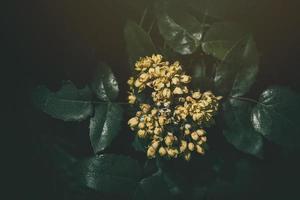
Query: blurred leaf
[238,128]
[138,42]
[105,125]
[68,104]
[239,62]
[181,31]
[276,116]
[153,187]
[104,83]
[109,174]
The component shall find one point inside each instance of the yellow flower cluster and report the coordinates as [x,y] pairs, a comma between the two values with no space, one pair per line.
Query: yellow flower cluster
[174,119]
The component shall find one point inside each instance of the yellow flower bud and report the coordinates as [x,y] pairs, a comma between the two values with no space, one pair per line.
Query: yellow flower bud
[200,132]
[137,83]
[133,122]
[168,140]
[177,90]
[199,149]
[130,81]
[185,79]
[191,146]
[175,81]
[196,95]
[153,112]
[141,125]
[187,131]
[157,130]
[151,152]
[187,156]
[157,58]
[187,126]
[183,146]
[204,138]
[162,151]
[145,107]
[143,77]
[161,120]
[195,136]
[166,93]
[155,144]
[172,152]
[141,133]
[131,99]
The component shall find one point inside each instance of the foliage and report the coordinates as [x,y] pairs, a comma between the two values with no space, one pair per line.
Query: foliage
[221,57]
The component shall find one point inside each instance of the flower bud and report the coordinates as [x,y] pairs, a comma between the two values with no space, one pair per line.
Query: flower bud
[191,146]
[204,138]
[167,93]
[141,125]
[187,126]
[175,81]
[137,83]
[162,151]
[131,99]
[185,79]
[155,144]
[133,122]
[130,81]
[196,95]
[141,133]
[187,156]
[195,136]
[183,146]
[151,152]
[200,132]
[168,140]
[145,107]
[199,149]
[187,131]
[177,90]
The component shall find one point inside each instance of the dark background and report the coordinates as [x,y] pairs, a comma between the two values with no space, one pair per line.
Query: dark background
[49,41]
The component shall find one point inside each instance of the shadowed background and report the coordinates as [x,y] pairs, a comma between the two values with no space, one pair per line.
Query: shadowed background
[50,41]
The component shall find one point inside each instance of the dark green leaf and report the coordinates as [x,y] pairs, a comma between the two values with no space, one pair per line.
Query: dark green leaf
[153,187]
[109,174]
[238,54]
[276,116]
[181,31]
[68,104]
[104,84]
[221,39]
[105,125]
[138,42]
[239,131]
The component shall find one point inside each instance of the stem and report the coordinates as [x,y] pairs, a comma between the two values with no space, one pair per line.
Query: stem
[143,17]
[247,99]
[151,26]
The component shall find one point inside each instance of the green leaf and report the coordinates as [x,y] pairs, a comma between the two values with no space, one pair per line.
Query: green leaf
[239,58]
[276,116]
[109,174]
[221,38]
[153,187]
[68,104]
[104,83]
[181,31]
[138,42]
[105,125]
[238,129]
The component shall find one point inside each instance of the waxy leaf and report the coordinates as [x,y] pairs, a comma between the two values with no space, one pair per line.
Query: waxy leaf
[181,31]
[238,128]
[221,38]
[68,104]
[276,116]
[138,42]
[105,125]
[239,58]
[104,83]
[109,174]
